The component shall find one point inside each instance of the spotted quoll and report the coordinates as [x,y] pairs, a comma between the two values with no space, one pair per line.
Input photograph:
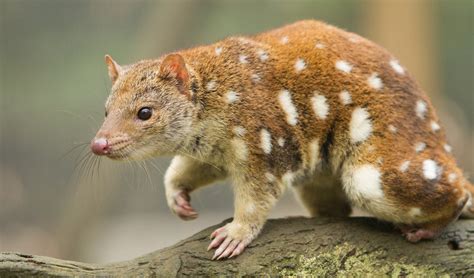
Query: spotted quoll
[307,106]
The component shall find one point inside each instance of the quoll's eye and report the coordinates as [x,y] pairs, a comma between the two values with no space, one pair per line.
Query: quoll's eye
[106,113]
[144,113]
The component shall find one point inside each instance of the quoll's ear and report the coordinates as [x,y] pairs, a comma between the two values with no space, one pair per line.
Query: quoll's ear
[114,69]
[173,66]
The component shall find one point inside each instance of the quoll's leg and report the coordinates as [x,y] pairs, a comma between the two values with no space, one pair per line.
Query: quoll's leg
[419,190]
[253,198]
[323,196]
[182,177]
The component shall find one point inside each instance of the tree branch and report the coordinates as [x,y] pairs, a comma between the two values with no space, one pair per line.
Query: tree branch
[294,246]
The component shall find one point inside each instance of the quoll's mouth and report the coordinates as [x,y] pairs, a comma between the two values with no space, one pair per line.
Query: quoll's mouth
[114,148]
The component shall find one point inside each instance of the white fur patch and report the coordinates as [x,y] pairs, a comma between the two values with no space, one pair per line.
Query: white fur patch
[360,126]
[250,208]
[270,177]
[404,166]
[319,45]
[414,212]
[354,39]
[211,85]
[231,97]
[396,67]
[420,109]
[320,106]
[452,177]
[366,181]
[375,82]
[447,148]
[239,131]
[284,40]
[218,51]
[392,129]
[300,65]
[431,170]
[420,146]
[243,59]
[287,105]
[343,66]
[255,78]
[313,154]
[281,141]
[434,126]
[345,97]
[262,55]
[288,178]
[240,149]
[265,141]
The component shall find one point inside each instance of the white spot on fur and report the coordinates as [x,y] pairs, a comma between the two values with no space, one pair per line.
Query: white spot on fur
[320,45]
[404,166]
[452,177]
[240,149]
[431,170]
[270,177]
[420,146]
[313,154]
[211,85]
[360,126]
[287,105]
[396,67]
[281,141]
[288,178]
[262,55]
[343,66]
[265,141]
[414,212]
[218,51]
[243,59]
[250,208]
[379,160]
[300,65]
[255,78]
[366,181]
[392,129]
[320,106]
[284,40]
[447,148]
[353,39]
[239,131]
[420,109]
[231,97]
[345,97]
[375,82]
[434,126]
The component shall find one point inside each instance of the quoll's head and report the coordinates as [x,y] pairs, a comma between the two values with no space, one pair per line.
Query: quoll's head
[149,111]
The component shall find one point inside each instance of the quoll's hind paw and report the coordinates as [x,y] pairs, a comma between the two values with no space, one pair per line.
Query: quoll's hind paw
[415,235]
[182,207]
[229,240]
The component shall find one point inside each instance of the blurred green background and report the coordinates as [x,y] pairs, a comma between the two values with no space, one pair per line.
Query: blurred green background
[54,84]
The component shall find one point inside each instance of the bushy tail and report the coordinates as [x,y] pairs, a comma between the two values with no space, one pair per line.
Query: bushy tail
[468,210]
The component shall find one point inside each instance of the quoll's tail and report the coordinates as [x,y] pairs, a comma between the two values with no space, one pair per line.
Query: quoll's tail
[468,210]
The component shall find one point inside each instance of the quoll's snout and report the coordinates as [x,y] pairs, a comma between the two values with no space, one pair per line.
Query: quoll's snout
[100,146]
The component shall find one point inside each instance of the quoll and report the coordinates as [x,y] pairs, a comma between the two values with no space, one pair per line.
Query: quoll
[308,106]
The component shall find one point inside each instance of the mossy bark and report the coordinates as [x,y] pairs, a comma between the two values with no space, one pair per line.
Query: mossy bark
[290,247]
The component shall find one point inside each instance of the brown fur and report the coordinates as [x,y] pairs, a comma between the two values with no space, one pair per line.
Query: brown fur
[196,119]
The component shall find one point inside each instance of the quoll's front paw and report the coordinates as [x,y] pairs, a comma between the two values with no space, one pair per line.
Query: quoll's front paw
[230,240]
[180,205]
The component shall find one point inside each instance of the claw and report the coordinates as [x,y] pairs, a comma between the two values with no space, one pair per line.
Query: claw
[222,248]
[216,242]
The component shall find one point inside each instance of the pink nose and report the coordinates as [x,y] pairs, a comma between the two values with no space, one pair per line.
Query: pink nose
[100,146]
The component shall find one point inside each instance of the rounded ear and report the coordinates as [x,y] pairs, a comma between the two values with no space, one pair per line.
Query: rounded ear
[173,66]
[114,69]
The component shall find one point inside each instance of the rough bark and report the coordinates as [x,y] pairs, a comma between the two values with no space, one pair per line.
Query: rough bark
[294,246]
